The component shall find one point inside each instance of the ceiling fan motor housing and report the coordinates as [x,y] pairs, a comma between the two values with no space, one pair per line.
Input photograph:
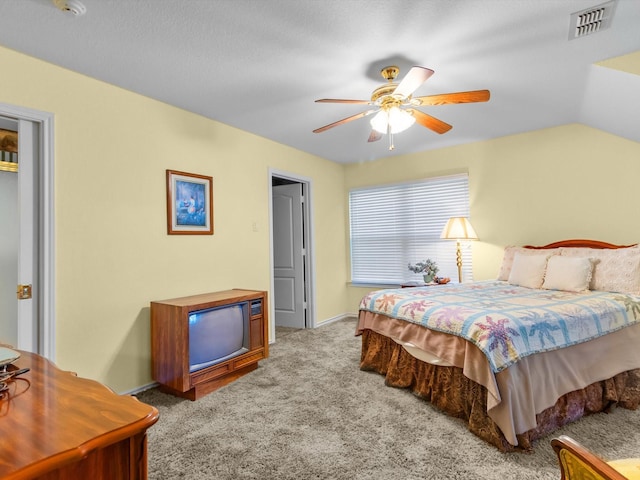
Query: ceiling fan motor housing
[384,92]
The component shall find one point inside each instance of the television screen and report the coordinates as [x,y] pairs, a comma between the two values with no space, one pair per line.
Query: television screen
[217,334]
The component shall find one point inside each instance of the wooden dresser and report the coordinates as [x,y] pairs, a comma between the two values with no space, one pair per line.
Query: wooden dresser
[55,425]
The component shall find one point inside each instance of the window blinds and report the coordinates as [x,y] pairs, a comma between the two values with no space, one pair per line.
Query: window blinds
[396,225]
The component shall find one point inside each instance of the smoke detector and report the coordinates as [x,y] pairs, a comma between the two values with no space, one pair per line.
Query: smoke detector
[591,20]
[74,7]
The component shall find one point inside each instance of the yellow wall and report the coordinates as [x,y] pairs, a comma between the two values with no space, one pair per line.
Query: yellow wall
[534,188]
[113,255]
[629,63]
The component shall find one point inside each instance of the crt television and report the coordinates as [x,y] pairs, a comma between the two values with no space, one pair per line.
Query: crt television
[218,334]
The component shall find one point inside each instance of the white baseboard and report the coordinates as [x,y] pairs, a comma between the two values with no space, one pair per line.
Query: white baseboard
[337,318]
[141,389]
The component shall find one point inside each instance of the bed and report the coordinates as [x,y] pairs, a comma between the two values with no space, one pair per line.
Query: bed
[552,339]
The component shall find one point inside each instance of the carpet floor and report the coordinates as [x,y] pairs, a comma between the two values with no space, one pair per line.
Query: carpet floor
[309,412]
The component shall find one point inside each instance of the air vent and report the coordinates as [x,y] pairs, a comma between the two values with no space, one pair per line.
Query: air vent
[591,20]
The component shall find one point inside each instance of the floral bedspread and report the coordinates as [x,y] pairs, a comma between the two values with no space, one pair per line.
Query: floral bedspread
[508,322]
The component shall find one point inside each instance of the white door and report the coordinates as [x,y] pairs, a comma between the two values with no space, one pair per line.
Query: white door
[288,256]
[20,316]
[28,148]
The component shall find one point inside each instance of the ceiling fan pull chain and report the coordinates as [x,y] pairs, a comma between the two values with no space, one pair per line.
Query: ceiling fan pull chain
[390,135]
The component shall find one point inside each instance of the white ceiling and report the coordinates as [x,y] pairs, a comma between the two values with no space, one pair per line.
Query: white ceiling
[258,65]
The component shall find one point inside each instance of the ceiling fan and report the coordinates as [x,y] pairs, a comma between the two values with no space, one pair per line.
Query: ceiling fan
[395,107]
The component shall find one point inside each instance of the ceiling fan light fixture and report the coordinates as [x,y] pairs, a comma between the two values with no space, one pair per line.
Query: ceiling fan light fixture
[392,120]
[387,100]
[380,121]
[400,120]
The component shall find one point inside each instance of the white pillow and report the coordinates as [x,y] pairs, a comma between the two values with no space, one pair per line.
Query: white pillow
[528,270]
[572,274]
[617,270]
[509,254]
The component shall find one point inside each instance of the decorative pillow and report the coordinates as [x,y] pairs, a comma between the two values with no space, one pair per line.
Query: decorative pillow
[528,270]
[571,274]
[509,253]
[617,270]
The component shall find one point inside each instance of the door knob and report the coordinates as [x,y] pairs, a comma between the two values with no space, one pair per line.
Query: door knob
[24,292]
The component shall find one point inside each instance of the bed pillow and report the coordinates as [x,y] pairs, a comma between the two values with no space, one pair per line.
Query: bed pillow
[528,270]
[571,274]
[509,253]
[617,270]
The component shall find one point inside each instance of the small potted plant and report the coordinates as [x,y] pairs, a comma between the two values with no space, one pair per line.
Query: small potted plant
[428,268]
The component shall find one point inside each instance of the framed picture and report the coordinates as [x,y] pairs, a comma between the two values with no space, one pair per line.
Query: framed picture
[189,204]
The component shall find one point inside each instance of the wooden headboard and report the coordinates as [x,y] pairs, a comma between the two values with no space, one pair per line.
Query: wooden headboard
[580,243]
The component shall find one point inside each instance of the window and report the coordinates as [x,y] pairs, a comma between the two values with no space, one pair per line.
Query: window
[395,225]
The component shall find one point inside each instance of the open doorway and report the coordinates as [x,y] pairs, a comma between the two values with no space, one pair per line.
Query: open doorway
[291,252]
[30,316]
[9,231]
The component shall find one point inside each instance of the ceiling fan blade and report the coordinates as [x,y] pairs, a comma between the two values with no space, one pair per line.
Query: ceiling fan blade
[430,122]
[412,80]
[345,120]
[339,100]
[459,97]
[374,136]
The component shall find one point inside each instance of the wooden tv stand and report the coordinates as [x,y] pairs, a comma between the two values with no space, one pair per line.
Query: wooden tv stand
[57,426]
[170,342]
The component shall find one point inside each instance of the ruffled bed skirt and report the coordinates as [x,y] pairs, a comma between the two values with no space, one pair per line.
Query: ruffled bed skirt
[450,391]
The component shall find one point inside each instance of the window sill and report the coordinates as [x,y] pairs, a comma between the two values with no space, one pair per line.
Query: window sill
[374,285]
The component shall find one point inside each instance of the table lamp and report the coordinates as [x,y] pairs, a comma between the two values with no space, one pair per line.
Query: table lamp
[458,228]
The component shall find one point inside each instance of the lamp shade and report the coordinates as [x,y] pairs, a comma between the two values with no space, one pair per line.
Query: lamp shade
[392,119]
[458,228]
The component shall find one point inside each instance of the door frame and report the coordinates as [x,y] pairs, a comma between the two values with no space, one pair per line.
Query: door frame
[45,218]
[307,212]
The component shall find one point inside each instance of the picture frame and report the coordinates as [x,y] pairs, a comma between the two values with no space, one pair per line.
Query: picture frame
[189,203]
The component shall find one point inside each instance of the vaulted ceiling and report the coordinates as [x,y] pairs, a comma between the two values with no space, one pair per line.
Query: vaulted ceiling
[258,65]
